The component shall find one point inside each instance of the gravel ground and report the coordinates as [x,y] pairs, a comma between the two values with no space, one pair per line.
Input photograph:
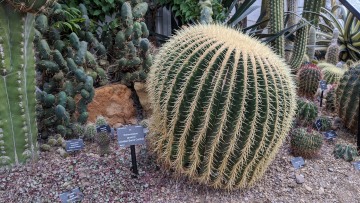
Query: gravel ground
[108,179]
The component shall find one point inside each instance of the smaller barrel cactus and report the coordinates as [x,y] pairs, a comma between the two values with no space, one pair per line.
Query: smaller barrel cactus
[306,111]
[332,74]
[308,77]
[305,144]
[325,123]
[102,138]
[90,131]
[345,151]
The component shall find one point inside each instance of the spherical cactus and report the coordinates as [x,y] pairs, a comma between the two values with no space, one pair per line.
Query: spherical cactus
[90,131]
[308,78]
[325,123]
[223,103]
[306,111]
[305,144]
[332,74]
[347,98]
[345,151]
[102,138]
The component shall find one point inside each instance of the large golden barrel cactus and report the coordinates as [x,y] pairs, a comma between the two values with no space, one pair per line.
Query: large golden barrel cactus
[223,103]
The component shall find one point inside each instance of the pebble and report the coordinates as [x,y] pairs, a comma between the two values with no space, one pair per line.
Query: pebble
[330,169]
[321,190]
[299,179]
[308,188]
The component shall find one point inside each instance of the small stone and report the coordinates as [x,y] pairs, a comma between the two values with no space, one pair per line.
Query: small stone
[330,169]
[308,188]
[321,190]
[299,179]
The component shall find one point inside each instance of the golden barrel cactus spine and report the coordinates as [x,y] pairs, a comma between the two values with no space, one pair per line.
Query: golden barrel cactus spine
[222,105]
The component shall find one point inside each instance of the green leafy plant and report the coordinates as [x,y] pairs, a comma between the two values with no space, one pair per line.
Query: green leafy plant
[221,84]
[71,21]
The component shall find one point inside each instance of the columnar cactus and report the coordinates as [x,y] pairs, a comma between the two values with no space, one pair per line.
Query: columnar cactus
[292,8]
[102,138]
[304,143]
[330,99]
[222,105]
[312,10]
[332,74]
[308,78]
[347,98]
[277,24]
[311,42]
[18,130]
[306,111]
[299,48]
[332,53]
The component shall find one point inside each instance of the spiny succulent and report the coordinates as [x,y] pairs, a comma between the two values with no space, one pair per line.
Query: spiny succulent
[305,143]
[306,111]
[345,151]
[222,105]
[330,99]
[308,79]
[325,123]
[90,131]
[332,74]
[102,138]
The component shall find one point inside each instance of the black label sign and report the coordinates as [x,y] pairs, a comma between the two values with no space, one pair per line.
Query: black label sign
[357,165]
[131,135]
[73,196]
[330,134]
[74,145]
[297,162]
[103,128]
[318,124]
[323,85]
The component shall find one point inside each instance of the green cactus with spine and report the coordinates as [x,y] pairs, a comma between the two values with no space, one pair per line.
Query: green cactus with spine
[331,99]
[304,143]
[90,131]
[102,138]
[325,123]
[311,11]
[18,127]
[332,74]
[333,51]
[277,24]
[306,112]
[347,152]
[308,79]
[347,98]
[311,42]
[223,137]
[298,53]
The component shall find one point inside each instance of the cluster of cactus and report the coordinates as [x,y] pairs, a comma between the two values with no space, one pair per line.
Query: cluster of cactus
[325,123]
[305,144]
[345,151]
[347,98]
[330,99]
[53,141]
[102,138]
[308,79]
[222,105]
[18,128]
[332,74]
[306,111]
[67,69]
[130,47]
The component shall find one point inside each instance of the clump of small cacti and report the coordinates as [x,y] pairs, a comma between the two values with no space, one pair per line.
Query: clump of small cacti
[330,99]
[232,91]
[325,123]
[332,74]
[308,79]
[130,47]
[347,98]
[18,126]
[345,151]
[306,111]
[305,143]
[102,138]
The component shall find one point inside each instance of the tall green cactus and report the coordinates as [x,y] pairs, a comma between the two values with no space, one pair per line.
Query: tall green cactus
[18,130]
[222,105]
[312,10]
[347,98]
[277,24]
[299,48]
[311,43]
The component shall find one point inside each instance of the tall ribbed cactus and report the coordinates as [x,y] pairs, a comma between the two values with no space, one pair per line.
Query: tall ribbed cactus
[292,7]
[308,77]
[311,43]
[18,131]
[347,98]
[312,10]
[299,48]
[277,24]
[222,105]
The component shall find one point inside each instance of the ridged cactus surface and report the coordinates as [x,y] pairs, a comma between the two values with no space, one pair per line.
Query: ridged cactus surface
[299,48]
[277,24]
[347,98]
[304,143]
[312,10]
[306,111]
[222,105]
[332,74]
[308,78]
[347,152]
[330,99]
[18,130]
[311,42]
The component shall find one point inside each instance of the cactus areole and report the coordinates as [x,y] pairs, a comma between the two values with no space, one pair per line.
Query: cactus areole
[223,103]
